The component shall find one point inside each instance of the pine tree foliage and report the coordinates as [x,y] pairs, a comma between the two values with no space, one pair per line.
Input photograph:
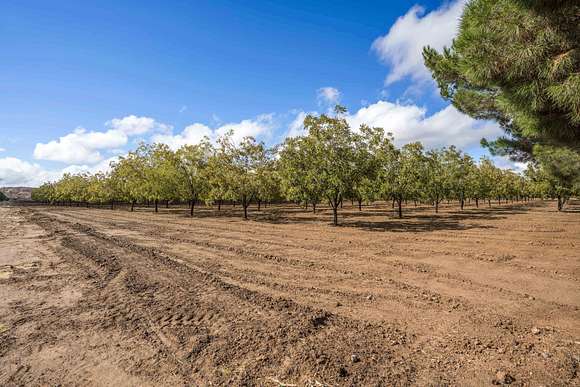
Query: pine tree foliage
[516,62]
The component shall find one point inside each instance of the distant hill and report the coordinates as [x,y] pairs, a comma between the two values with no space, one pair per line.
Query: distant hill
[17,193]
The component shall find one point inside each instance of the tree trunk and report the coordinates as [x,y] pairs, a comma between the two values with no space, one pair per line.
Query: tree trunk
[489,202]
[192,207]
[156,205]
[560,204]
[219,205]
[132,205]
[259,205]
[462,201]
[314,207]
[167,204]
[335,214]
[436,206]
[112,204]
[360,204]
[400,202]
[477,202]
[245,204]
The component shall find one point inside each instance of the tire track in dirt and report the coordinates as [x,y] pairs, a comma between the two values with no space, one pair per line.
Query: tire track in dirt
[311,341]
[459,343]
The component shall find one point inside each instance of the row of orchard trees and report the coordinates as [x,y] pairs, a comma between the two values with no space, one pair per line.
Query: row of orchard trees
[327,165]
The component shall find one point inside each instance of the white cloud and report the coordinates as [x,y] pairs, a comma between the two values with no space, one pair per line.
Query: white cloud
[133,125]
[85,147]
[102,166]
[401,48]
[410,123]
[183,108]
[505,163]
[260,126]
[80,146]
[16,172]
[296,127]
[328,96]
[193,134]
[2,149]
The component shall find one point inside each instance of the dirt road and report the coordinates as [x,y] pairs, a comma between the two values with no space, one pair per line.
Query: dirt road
[101,297]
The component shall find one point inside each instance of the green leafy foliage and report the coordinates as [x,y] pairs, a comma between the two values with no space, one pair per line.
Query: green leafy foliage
[516,62]
[329,164]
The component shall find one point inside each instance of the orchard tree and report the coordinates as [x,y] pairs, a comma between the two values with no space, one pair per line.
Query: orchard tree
[437,178]
[268,178]
[460,167]
[298,177]
[99,189]
[561,169]
[191,166]
[241,164]
[402,173]
[487,179]
[128,179]
[158,172]
[329,147]
[368,145]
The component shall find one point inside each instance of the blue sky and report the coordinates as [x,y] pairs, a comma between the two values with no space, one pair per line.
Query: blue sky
[81,82]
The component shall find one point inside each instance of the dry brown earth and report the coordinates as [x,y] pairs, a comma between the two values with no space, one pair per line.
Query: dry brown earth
[101,297]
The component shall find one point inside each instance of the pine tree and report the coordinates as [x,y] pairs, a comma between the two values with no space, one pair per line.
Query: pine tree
[516,62]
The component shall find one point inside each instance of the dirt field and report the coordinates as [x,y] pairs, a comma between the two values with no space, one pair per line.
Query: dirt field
[101,297]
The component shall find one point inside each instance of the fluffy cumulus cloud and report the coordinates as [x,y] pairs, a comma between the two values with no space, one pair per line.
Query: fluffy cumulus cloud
[401,48]
[260,126]
[101,166]
[133,125]
[410,123]
[16,172]
[328,96]
[192,134]
[80,146]
[86,147]
[505,163]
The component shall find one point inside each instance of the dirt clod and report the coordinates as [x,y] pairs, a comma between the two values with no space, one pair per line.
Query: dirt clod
[502,377]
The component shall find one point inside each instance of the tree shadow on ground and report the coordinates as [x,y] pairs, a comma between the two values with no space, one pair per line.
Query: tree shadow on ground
[415,219]
[377,217]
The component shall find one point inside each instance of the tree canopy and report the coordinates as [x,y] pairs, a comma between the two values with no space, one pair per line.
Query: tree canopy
[516,62]
[330,163]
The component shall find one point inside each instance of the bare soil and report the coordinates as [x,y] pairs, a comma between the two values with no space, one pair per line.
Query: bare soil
[101,297]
